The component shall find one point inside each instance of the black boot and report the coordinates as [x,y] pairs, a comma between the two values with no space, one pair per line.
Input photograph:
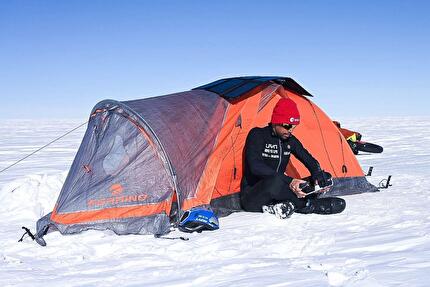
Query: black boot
[326,205]
[281,210]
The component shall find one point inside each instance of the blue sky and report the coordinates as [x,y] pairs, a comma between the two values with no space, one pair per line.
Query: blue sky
[359,58]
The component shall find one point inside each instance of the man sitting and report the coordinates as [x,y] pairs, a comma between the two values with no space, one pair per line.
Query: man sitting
[265,186]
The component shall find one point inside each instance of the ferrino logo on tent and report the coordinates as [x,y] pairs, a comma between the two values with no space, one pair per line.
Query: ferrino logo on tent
[116,189]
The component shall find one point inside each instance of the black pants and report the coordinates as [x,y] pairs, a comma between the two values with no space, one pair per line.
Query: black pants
[268,191]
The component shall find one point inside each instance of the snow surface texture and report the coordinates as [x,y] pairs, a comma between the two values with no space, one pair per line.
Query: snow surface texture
[381,239]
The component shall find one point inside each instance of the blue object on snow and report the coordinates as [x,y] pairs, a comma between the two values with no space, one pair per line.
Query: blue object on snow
[198,219]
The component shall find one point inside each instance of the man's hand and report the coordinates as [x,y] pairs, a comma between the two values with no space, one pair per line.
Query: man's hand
[294,186]
[323,179]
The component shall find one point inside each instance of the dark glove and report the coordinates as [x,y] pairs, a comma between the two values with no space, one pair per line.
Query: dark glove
[306,187]
[323,178]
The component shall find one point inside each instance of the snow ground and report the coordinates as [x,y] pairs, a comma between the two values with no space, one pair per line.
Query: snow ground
[381,239]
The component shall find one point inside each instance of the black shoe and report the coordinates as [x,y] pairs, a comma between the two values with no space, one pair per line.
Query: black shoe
[326,205]
[281,210]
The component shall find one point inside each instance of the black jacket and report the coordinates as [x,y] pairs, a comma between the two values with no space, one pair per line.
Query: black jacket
[262,150]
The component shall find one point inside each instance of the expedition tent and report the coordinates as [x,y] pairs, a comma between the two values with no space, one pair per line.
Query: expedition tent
[140,158]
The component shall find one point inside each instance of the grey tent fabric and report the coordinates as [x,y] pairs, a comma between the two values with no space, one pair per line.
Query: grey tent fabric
[115,167]
[194,119]
[134,157]
[121,155]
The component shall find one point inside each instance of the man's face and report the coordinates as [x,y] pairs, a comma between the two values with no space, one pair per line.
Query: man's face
[283,131]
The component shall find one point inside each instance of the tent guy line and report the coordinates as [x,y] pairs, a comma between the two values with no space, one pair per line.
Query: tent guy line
[39,149]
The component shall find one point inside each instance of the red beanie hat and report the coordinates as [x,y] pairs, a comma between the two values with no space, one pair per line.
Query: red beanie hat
[286,112]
